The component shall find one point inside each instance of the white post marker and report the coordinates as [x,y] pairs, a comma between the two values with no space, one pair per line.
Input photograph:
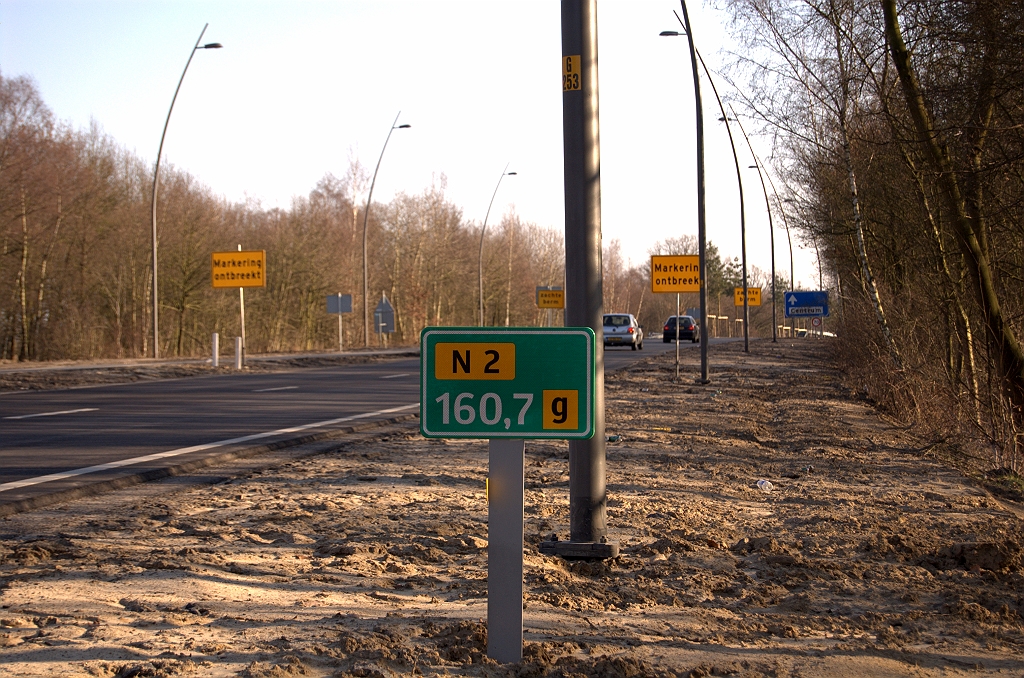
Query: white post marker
[238,353]
[216,350]
[677,336]
[241,312]
[505,494]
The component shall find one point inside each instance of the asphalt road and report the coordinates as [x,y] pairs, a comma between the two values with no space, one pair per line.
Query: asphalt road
[53,441]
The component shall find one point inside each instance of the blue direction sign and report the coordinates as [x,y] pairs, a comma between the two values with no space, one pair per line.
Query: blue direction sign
[806,304]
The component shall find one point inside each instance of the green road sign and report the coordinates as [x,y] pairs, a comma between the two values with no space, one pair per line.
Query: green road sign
[507,382]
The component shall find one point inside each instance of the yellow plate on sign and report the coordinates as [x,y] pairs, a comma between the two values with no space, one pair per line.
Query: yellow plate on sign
[475,361]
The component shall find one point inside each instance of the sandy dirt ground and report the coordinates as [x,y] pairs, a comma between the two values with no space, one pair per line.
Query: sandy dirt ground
[868,557]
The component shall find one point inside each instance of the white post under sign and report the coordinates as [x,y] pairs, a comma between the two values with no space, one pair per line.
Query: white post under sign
[339,303]
[505,504]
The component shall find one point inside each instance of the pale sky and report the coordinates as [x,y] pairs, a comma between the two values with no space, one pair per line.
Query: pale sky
[301,85]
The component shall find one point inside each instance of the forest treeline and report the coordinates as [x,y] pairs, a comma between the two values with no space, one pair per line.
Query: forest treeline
[75,255]
[898,134]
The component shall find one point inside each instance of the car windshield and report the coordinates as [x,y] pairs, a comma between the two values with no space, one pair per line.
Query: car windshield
[616,320]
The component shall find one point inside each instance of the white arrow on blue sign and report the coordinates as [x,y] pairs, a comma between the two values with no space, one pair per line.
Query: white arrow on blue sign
[806,304]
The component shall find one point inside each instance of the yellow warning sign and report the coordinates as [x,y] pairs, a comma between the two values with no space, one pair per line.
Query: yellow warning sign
[675,273]
[240,269]
[549,298]
[753,296]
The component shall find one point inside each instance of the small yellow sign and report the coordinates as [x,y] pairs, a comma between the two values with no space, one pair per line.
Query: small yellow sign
[572,75]
[240,269]
[475,361]
[753,296]
[550,298]
[561,409]
[675,273]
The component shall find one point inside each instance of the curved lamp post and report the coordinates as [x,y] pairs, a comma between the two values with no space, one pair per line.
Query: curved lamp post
[480,260]
[771,231]
[789,237]
[701,211]
[739,182]
[771,226]
[156,179]
[366,217]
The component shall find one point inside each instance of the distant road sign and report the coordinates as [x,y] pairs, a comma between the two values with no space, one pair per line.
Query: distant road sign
[675,273]
[753,296]
[521,382]
[339,303]
[384,317]
[806,304]
[550,297]
[816,321]
[240,269]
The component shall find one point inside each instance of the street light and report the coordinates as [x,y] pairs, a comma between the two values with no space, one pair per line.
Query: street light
[156,177]
[739,182]
[366,217]
[789,237]
[771,231]
[701,211]
[480,261]
[771,227]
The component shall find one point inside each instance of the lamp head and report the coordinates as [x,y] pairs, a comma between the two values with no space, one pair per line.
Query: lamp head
[212,45]
[670,34]
[512,174]
[403,127]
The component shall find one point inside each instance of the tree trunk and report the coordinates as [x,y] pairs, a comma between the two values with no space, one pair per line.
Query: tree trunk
[38,321]
[862,253]
[24,348]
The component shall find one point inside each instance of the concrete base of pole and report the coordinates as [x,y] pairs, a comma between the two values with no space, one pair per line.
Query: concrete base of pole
[216,350]
[238,353]
[579,550]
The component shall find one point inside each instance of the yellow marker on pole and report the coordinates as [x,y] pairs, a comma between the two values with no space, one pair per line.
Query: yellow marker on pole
[571,73]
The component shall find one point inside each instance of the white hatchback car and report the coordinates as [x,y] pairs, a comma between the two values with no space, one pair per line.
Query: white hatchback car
[621,329]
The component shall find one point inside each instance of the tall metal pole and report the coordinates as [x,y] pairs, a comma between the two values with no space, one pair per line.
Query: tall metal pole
[156,179]
[789,237]
[366,217]
[771,228]
[743,210]
[701,206]
[583,284]
[480,260]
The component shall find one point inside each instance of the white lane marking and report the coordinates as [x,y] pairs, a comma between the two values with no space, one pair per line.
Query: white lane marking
[53,414]
[195,448]
[396,376]
[279,388]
